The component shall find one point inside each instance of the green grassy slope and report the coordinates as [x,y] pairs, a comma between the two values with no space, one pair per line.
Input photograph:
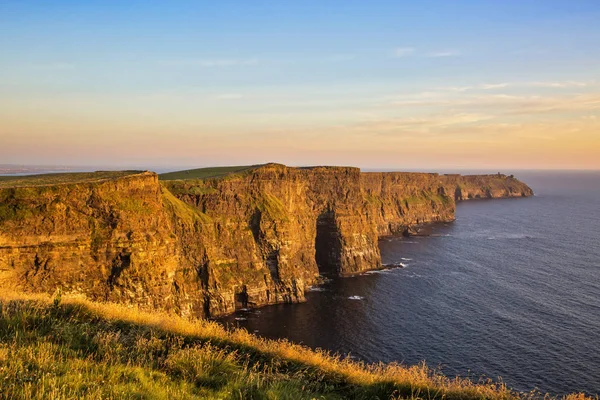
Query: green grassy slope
[58,178]
[68,352]
[80,349]
[204,173]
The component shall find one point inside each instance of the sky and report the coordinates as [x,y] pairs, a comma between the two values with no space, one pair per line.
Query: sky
[375,84]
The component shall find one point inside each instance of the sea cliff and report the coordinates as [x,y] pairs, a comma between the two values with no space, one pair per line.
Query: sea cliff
[208,246]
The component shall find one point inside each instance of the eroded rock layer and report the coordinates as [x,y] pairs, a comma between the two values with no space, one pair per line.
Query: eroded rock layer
[207,247]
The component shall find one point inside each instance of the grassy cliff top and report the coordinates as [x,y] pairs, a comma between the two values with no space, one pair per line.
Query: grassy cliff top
[61,178]
[74,348]
[222,172]
[205,173]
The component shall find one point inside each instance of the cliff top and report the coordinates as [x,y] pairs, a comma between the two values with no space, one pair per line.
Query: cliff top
[205,173]
[223,172]
[61,178]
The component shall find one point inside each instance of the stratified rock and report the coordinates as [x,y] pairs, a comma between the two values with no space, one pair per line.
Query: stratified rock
[209,247]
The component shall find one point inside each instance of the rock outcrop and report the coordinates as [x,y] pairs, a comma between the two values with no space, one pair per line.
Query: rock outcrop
[206,247]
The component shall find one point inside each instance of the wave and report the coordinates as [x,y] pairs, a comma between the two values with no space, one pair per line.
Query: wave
[387,267]
[373,272]
[378,271]
[356,298]
[317,289]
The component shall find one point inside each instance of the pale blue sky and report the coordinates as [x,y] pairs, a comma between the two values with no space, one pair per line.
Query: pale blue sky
[375,84]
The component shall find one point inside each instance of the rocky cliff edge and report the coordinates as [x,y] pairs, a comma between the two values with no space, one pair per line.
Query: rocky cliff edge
[206,247]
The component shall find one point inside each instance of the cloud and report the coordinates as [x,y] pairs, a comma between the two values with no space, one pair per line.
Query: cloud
[446,53]
[403,52]
[566,84]
[212,62]
[423,125]
[484,86]
[230,96]
[491,86]
[502,85]
[502,104]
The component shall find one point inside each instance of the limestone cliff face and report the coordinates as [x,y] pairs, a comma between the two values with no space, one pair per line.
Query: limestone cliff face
[109,239]
[270,228]
[400,200]
[207,247]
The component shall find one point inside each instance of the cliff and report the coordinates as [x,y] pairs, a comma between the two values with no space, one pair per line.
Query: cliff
[109,237]
[205,247]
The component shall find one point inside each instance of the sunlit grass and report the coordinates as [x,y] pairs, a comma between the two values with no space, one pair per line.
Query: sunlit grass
[60,178]
[205,173]
[75,348]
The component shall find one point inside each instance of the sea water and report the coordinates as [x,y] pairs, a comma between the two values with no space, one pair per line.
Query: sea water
[510,289]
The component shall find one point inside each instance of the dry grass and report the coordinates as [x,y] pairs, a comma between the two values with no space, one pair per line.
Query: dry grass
[60,178]
[203,360]
[206,173]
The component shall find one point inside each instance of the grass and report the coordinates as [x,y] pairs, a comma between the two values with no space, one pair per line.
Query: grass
[271,205]
[184,211]
[60,178]
[74,348]
[205,173]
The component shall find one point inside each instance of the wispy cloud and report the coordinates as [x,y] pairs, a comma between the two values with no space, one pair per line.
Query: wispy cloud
[565,84]
[230,96]
[421,125]
[446,53]
[403,52]
[483,86]
[495,86]
[491,86]
[211,62]
[501,104]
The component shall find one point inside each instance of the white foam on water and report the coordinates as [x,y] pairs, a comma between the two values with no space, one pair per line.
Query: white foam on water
[379,271]
[371,272]
[356,298]
[240,319]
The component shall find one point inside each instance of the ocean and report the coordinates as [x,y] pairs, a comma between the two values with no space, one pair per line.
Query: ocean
[511,289]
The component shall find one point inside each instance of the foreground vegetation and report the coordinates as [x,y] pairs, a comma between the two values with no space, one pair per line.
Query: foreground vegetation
[79,349]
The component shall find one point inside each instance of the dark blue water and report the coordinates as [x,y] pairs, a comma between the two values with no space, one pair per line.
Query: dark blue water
[510,289]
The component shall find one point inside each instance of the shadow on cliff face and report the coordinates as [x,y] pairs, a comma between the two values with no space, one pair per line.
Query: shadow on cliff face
[120,263]
[328,246]
[270,254]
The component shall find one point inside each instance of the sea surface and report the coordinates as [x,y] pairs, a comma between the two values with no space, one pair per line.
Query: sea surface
[510,289]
